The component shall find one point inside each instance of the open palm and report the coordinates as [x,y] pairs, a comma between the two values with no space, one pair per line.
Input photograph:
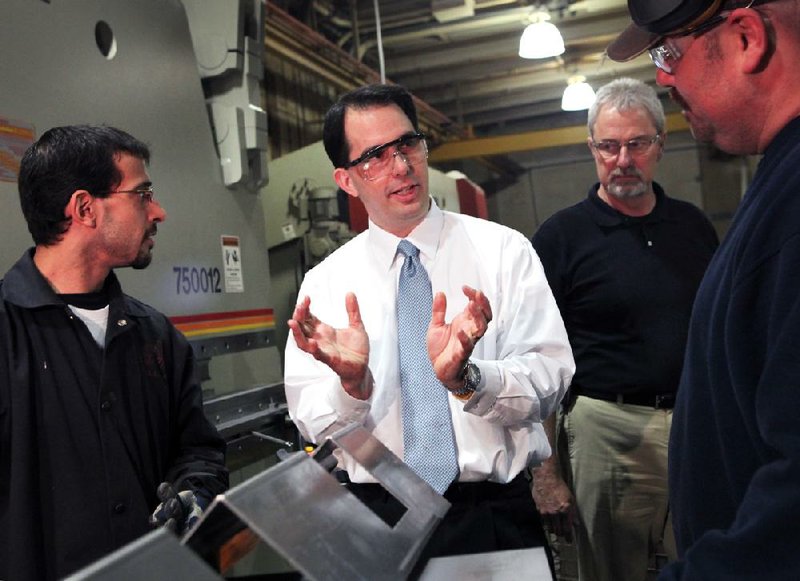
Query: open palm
[450,345]
[345,350]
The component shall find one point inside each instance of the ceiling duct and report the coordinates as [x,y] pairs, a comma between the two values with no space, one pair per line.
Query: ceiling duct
[449,10]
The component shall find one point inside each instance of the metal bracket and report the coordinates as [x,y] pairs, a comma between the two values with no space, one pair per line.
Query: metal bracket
[302,512]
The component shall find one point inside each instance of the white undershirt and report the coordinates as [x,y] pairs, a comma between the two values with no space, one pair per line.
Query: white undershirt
[96,320]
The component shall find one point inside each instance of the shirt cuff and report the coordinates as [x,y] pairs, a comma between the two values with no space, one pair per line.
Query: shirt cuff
[350,408]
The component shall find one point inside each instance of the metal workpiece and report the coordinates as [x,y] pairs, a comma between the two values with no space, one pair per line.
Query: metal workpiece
[307,517]
[528,564]
[316,528]
[157,556]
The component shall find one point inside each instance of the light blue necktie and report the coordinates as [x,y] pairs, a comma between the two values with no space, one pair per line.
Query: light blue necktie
[430,448]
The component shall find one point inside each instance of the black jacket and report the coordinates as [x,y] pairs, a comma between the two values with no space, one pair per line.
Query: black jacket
[87,434]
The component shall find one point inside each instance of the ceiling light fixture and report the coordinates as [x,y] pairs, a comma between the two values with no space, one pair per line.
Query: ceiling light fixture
[540,39]
[578,95]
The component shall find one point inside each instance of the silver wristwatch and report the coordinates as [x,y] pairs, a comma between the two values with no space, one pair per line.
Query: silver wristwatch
[472,378]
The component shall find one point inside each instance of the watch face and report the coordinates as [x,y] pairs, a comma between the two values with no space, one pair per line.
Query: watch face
[472,377]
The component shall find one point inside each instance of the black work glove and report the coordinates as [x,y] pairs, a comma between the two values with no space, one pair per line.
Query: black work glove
[178,511]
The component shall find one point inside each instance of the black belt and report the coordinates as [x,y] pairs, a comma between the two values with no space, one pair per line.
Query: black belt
[664,401]
[460,492]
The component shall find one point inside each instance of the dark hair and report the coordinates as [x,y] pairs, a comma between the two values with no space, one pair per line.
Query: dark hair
[66,159]
[365,97]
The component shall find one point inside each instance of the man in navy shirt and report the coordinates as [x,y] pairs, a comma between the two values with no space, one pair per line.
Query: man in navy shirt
[735,448]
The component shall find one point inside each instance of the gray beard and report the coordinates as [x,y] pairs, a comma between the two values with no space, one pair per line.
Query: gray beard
[624,193]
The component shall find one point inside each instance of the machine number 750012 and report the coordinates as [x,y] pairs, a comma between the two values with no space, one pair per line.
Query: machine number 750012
[193,280]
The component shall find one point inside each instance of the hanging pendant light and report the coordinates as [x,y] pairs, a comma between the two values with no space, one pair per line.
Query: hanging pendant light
[578,95]
[540,39]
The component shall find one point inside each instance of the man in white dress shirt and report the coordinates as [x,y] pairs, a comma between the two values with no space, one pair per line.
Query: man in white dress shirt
[496,341]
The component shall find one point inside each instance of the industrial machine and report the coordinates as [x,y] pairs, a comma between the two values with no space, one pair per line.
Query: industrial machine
[133,65]
[295,199]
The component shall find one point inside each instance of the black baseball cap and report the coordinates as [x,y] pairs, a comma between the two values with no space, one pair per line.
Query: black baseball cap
[655,19]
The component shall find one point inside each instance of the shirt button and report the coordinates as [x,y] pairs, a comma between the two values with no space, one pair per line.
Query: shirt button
[122,323]
[105,406]
[119,508]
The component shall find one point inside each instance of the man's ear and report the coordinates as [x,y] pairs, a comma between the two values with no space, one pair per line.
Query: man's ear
[345,181]
[82,208]
[755,44]
[589,144]
[661,143]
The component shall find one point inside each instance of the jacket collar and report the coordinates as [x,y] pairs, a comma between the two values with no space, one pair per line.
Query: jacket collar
[25,287]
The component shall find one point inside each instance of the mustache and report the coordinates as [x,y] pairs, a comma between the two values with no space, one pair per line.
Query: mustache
[627,172]
[151,231]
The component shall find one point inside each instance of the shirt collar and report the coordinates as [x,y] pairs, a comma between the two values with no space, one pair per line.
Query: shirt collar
[605,215]
[425,237]
[786,138]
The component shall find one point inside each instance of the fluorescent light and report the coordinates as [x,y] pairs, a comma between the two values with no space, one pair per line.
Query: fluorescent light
[540,39]
[578,95]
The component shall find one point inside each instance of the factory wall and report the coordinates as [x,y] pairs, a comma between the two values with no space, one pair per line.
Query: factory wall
[688,171]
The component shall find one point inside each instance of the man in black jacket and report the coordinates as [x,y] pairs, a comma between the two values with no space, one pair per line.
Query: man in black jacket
[98,399]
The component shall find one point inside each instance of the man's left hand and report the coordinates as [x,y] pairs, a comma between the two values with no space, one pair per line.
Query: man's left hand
[450,345]
[178,511]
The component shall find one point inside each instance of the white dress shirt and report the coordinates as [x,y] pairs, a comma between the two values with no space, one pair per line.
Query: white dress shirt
[525,360]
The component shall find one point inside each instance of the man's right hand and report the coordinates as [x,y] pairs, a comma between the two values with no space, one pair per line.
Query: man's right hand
[346,351]
[555,501]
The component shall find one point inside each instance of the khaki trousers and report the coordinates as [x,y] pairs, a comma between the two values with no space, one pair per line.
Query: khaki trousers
[618,473]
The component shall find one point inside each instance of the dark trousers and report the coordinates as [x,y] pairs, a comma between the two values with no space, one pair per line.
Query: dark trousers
[484,517]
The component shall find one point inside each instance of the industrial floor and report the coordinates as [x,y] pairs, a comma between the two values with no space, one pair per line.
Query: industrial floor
[566,560]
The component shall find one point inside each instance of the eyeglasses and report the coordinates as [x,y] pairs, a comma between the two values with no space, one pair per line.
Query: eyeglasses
[146,193]
[610,148]
[666,55]
[377,163]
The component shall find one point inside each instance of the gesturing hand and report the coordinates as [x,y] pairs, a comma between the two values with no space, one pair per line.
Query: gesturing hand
[346,350]
[450,345]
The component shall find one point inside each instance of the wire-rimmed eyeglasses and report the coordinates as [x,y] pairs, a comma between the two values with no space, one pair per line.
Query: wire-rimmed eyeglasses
[146,193]
[377,162]
[610,148]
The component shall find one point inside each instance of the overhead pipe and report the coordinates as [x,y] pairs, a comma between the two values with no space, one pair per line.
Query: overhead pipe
[308,49]
[356,30]
[379,41]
